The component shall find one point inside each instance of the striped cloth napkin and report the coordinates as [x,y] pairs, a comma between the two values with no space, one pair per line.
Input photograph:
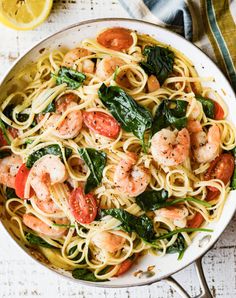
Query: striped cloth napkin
[210,24]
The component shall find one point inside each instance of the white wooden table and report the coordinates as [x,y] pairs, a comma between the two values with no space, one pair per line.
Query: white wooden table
[19,275]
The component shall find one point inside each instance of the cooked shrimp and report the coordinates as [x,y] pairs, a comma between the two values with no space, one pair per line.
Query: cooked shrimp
[47,170]
[64,100]
[88,66]
[73,55]
[41,227]
[70,126]
[108,66]
[194,124]
[108,241]
[206,146]
[9,167]
[130,178]
[176,214]
[196,111]
[153,83]
[170,148]
[47,206]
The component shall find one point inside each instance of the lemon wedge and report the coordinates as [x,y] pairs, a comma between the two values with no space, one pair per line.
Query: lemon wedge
[24,14]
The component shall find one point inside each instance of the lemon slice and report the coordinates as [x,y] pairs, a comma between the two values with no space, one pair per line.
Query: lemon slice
[24,14]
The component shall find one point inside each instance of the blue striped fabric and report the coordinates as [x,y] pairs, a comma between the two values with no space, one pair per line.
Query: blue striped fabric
[220,40]
[174,14]
[195,20]
[179,17]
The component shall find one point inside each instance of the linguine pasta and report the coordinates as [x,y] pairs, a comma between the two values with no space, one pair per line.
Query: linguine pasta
[38,88]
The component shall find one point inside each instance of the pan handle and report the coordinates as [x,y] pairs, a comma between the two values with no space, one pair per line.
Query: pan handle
[205,292]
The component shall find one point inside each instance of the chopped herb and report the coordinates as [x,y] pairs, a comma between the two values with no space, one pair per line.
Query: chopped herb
[63,225]
[187,230]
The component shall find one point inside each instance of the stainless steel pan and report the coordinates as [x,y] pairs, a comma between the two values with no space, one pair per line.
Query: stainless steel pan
[169,264]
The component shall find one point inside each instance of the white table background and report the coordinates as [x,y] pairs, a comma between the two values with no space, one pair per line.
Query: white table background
[22,277]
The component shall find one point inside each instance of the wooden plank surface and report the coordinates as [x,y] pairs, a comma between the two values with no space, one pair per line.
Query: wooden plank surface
[19,275]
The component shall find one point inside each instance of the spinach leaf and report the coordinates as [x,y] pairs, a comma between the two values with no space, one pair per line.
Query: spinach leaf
[153,200]
[96,162]
[35,240]
[132,117]
[178,246]
[4,153]
[4,132]
[85,274]
[207,105]
[71,77]
[159,62]
[142,225]
[233,179]
[50,108]
[22,117]
[51,149]
[170,113]
[10,193]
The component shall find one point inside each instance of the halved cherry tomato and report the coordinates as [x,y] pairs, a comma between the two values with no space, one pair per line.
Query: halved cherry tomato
[102,124]
[13,131]
[219,112]
[211,195]
[20,181]
[196,221]
[117,39]
[222,167]
[3,141]
[124,267]
[84,207]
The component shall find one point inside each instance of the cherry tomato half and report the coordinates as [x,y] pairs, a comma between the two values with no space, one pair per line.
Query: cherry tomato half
[219,112]
[102,124]
[196,221]
[84,207]
[3,141]
[124,267]
[20,181]
[211,195]
[13,131]
[117,39]
[222,167]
